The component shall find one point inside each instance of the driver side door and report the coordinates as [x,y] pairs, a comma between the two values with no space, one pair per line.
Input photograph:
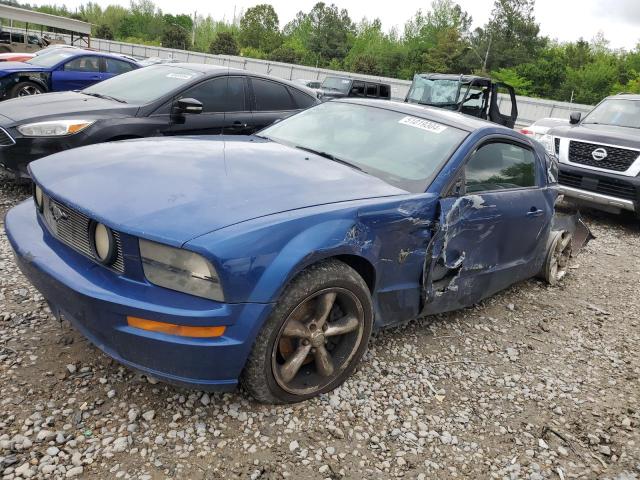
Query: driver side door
[494,224]
[77,73]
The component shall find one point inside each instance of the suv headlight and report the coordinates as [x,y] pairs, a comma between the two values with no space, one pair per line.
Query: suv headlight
[181,270]
[55,128]
[547,143]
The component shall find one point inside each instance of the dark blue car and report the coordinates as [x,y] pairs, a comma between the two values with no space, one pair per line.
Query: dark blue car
[269,259]
[60,70]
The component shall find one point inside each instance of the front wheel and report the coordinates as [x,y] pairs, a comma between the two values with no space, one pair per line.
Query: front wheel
[558,255]
[25,89]
[314,338]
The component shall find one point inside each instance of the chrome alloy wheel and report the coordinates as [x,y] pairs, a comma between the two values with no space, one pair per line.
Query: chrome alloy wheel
[317,341]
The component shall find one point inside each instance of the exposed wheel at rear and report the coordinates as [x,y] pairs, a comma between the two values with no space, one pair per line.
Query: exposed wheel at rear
[314,338]
[558,255]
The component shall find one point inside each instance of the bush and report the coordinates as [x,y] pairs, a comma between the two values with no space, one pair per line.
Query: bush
[285,54]
[104,32]
[176,37]
[224,44]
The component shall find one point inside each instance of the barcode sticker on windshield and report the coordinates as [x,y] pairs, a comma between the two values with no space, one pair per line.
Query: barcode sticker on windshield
[423,124]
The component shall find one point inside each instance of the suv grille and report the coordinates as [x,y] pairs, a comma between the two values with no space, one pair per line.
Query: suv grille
[605,186]
[556,144]
[617,159]
[72,228]
[5,139]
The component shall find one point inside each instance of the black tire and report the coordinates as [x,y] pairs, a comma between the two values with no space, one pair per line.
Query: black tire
[22,89]
[258,377]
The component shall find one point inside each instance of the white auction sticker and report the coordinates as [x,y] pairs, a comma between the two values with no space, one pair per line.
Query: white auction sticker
[180,76]
[423,124]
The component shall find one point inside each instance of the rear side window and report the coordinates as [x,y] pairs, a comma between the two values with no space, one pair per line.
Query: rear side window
[271,96]
[385,91]
[302,100]
[118,66]
[83,64]
[372,90]
[500,166]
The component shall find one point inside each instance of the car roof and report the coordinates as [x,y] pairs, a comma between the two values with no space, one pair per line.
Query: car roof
[73,52]
[217,69]
[440,115]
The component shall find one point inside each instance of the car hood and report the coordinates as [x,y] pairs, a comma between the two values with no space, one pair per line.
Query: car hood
[608,134]
[11,67]
[173,190]
[56,105]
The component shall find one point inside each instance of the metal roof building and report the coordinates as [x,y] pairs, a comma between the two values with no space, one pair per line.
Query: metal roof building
[52,21]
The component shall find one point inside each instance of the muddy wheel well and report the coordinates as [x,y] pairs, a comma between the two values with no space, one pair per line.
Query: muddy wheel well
[363,267]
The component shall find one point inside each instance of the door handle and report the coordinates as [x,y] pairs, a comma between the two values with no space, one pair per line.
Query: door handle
[535,212]
[239,125]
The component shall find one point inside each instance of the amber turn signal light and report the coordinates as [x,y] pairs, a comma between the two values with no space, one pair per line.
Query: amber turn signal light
[172,329]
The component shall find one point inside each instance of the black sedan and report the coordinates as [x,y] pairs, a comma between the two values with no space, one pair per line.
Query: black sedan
[161,100]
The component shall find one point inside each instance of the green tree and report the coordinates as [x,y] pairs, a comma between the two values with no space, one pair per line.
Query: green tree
[285,54]
[104,31]
[330,33]
[224,44]
[175,36]
[260,28]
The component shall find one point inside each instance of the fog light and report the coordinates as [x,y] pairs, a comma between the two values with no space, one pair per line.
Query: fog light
[103,243]
[37,195]
[172,329]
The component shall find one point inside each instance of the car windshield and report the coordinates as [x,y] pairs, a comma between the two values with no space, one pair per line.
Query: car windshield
[403,150]
[336,84]
[428,91]
[51,59]
[145,84]
[618,112]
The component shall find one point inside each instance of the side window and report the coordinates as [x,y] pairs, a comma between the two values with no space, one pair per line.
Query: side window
[271,96]
[504,102]
[235,95]
[83,64]
[372,90]
[118,66]
[385,91]
[212,94]
[302,100]
[499,166]
[359,89]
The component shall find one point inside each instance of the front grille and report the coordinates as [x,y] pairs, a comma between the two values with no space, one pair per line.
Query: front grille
[556,143]
[5,139]
[605,186]
[72,228]
[617,159]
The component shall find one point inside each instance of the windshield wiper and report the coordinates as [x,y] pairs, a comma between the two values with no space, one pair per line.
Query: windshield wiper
[330,157]
[106,97]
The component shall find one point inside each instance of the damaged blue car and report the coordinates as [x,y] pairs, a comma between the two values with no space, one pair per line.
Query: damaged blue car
[268,260]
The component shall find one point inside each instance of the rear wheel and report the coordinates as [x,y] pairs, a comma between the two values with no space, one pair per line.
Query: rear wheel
[558,255]
[25,89]
[315,337]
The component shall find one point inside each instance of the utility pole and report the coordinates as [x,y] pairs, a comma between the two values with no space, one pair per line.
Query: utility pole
[486,57]
[193,29]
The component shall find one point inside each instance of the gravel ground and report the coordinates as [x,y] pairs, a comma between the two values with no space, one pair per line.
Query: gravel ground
[536,382]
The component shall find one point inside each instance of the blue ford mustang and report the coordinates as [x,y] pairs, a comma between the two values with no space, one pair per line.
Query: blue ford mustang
[60,70]
[269,259]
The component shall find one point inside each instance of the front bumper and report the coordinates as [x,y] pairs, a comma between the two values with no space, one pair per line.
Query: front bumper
[97,301]
[606,191]
[15,158]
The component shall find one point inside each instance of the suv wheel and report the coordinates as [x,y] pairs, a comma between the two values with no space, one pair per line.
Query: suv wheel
[314,338]
[25,89]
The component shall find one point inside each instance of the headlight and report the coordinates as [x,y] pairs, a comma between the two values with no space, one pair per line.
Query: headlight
[37,196]
[180,270]
[547,143]
[55,128]
[103,243]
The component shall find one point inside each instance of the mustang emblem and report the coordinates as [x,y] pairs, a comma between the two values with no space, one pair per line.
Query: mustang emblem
[599,154]
[57,213]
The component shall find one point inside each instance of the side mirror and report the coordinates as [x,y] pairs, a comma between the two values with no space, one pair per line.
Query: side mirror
[189,105]
[574,118]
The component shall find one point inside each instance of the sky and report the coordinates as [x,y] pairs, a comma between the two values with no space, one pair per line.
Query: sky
[564,20]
